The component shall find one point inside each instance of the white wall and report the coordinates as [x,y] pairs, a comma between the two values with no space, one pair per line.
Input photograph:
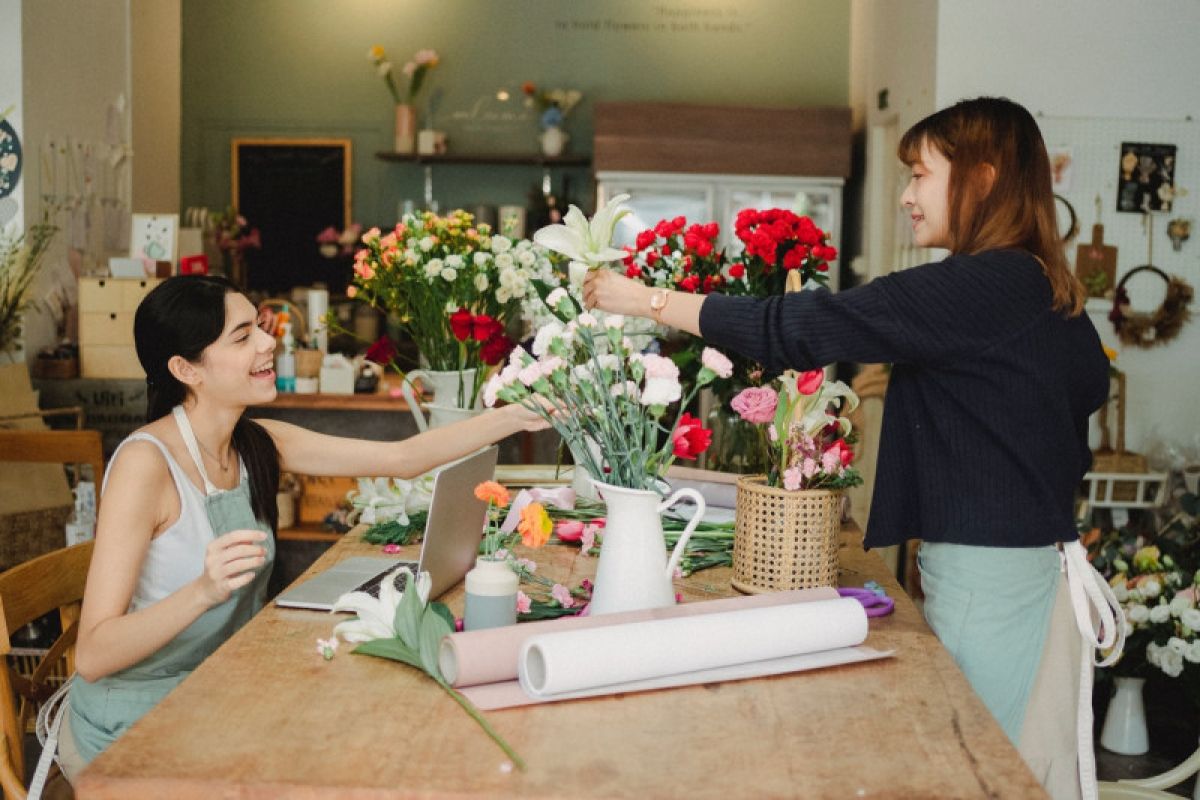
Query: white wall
[1116,65]
[75,63]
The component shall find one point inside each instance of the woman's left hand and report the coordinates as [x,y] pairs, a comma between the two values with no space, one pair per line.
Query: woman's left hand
[606,290]
[526,420]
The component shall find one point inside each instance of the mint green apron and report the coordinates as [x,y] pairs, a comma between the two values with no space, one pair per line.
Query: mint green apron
[103,709]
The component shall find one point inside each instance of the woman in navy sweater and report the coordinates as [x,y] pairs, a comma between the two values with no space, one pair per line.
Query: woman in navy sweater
[984,440]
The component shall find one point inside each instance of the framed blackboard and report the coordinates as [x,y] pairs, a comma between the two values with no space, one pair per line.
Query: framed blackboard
[291,190]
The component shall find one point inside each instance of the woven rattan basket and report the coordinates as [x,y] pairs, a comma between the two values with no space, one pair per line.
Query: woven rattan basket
[783,539]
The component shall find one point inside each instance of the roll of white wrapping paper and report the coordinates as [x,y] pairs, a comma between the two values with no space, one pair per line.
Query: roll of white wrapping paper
[580,660]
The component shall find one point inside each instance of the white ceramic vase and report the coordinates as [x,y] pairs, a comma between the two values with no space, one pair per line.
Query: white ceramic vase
[451,390]
[491,595]
[634,571]
[1124,729]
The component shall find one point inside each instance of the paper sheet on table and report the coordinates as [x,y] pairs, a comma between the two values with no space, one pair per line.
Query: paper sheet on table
[488,658]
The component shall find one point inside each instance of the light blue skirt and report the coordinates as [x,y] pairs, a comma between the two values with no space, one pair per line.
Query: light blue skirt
[991,608]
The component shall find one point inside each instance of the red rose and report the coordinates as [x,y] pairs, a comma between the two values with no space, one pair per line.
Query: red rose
[704,248]
[484,328]
[690,438]
[690,283]
[843,450]
[711,231]
[460,324]
[737,270]
[710,282]
[651,258]
[687,263]
[663,229]
[633,271]
[645,239]
[678,224]
[794,258]
[382,351]
[496,349]
[809,382]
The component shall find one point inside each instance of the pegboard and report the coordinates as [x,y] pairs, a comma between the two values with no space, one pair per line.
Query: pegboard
[1095,143]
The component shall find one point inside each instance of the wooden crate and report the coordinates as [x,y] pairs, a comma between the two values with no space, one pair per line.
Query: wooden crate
[106,309]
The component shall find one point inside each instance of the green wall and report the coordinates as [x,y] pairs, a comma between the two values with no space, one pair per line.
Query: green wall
[299,68]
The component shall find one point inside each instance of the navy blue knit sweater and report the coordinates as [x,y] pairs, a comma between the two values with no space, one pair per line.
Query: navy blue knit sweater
[985,422]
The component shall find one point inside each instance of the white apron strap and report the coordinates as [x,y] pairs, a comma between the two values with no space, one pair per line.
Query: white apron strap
[189,441]
[1101,623]
[49,720]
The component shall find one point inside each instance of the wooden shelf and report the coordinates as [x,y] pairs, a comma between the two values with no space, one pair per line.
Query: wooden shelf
[341,402]
[512,159]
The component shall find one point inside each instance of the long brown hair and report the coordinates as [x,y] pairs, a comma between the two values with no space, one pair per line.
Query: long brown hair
[1000,192]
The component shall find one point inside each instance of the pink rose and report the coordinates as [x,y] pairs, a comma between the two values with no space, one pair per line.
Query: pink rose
[569,531]
[809,382]
[843,450]
[756,404]
[792,479]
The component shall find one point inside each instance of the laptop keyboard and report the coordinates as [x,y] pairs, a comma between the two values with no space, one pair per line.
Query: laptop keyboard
[372,585]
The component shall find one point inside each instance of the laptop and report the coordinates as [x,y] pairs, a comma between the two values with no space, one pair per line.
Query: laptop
[453,531]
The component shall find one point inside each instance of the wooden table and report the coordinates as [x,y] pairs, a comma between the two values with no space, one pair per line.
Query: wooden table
[266,716]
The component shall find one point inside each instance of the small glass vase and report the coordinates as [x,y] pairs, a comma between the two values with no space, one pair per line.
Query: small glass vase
[491,595]
[737,445]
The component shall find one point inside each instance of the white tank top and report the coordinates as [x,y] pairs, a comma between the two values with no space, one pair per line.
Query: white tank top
[176,556]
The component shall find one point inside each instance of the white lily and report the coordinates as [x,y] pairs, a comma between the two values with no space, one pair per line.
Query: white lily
[376,615]
[587,242]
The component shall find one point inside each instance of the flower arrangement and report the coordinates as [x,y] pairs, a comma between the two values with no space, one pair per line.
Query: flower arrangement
[777,242]
[20,259]
[453,286]
[333,243]
[675,255]
[414,70]
[234,236]
[585,378]
[1156,580]
[806,431]
[554,104]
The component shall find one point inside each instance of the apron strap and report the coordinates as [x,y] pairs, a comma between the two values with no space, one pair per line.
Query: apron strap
[49,720]
[189,440]
[1091,599]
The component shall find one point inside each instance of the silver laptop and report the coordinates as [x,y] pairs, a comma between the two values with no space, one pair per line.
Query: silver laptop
[453,531]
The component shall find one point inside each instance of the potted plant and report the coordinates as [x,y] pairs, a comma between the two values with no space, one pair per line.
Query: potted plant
[788,520]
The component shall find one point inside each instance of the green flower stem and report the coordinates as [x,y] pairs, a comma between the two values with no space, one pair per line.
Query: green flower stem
[470,708]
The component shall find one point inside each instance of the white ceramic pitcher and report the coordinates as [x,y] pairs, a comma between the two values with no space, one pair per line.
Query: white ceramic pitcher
[444,408]
[634,571]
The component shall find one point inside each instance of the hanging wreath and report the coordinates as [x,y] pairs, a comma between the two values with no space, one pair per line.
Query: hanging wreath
[1142,329]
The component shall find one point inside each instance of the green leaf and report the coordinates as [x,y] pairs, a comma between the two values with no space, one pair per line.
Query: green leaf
[443,611]
[433,628]
[407,622]
[392,649]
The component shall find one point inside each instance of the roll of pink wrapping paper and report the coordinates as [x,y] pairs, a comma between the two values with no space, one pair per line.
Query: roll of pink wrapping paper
[490,656]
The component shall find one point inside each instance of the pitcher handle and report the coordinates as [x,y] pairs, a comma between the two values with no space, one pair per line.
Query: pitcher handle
[677,553]
[413,404]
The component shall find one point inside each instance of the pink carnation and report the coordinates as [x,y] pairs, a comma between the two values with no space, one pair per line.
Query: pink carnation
[792,479]
[717,362]
[563,595]
[523,602]
[660,367]
[756,404]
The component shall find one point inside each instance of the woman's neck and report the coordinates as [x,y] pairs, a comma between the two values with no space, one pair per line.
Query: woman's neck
[212,424]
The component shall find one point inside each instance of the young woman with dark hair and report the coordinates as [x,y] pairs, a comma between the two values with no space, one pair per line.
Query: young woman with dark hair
[184,538]
[985,428]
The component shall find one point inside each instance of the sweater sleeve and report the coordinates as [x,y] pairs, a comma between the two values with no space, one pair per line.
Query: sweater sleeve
[929,314]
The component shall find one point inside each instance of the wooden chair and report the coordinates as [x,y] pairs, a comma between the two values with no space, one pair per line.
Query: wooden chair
[29,591]
[62,447]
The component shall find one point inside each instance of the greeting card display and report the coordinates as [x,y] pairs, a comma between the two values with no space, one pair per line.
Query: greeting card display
[154,237]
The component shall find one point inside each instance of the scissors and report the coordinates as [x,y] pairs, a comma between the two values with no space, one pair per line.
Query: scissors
[875,601]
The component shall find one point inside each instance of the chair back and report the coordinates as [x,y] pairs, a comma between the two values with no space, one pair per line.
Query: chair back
[63,447]
[29,591]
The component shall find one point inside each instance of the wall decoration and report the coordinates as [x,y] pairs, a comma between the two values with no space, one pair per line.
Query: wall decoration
[1068,221]
[10,167]
[1141,329]
[1062,159]
[154,236]
[1146,177]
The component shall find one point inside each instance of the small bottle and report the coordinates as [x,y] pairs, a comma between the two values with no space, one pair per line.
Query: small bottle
[285,362]
[491,595]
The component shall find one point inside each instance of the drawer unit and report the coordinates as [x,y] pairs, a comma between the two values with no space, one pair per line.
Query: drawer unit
[106,309]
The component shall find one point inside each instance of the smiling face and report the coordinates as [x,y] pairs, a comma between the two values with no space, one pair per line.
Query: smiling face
[926,198]
[238,368]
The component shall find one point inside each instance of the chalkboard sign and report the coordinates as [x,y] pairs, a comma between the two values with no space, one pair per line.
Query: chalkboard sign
[291,190]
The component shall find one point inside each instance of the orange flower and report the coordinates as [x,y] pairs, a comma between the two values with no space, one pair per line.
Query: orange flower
[492,492]
[535,525]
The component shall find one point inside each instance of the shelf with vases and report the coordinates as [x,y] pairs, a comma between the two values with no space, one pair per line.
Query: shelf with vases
[500,159]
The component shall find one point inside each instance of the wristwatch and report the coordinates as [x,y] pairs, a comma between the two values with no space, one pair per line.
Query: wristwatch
[658,301]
